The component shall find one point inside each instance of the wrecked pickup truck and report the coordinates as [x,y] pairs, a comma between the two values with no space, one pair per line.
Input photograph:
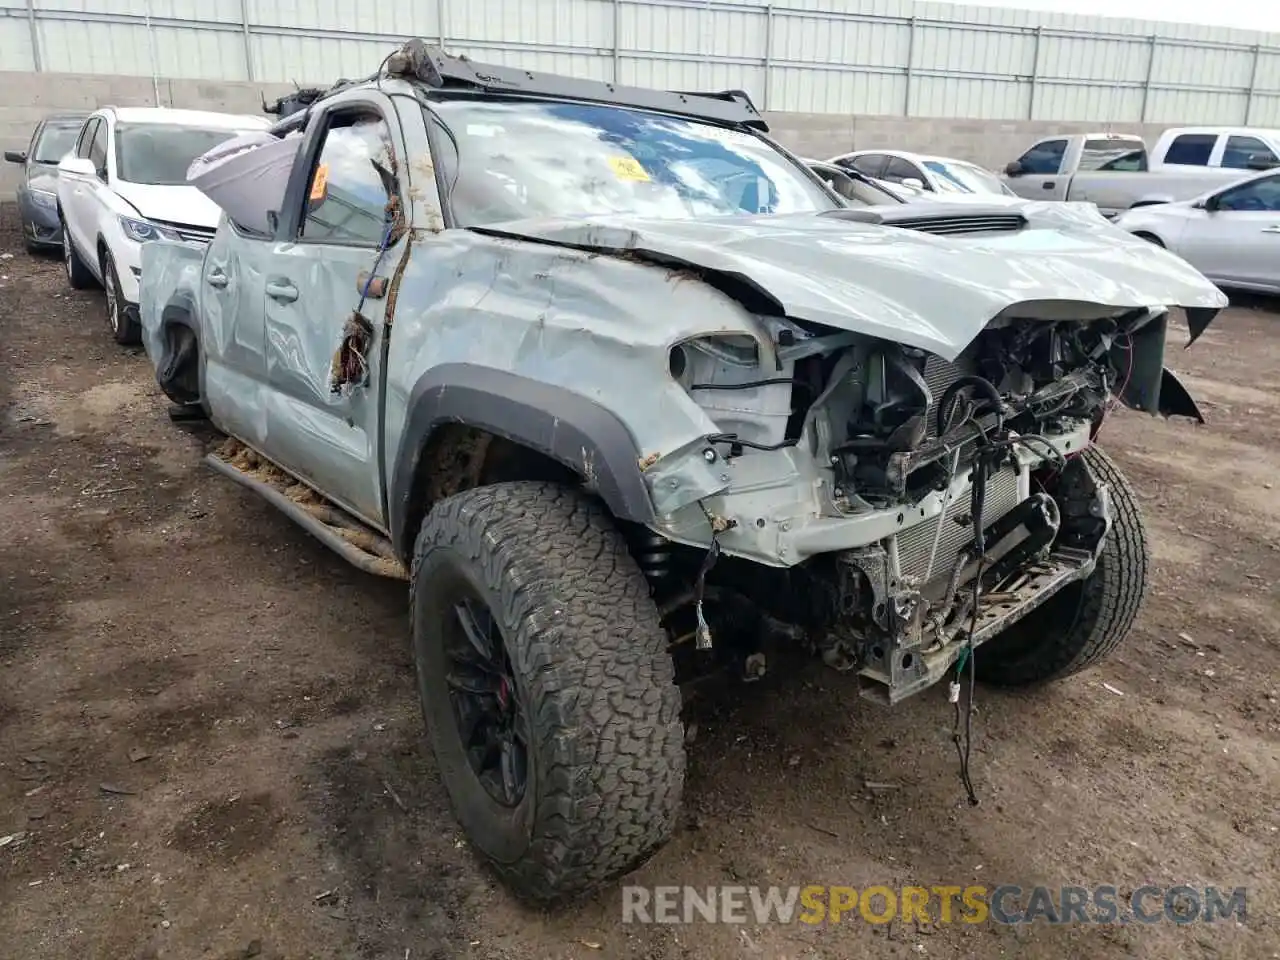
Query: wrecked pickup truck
[612,379]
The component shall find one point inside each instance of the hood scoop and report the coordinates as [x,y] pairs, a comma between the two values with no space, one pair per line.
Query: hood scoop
[943,218]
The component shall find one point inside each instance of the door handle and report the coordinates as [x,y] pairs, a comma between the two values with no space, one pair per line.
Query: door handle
[282,290]
[217,278]
[1047,185]
[1274,228]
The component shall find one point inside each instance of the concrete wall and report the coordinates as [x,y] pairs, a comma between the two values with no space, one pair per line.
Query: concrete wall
[26,97]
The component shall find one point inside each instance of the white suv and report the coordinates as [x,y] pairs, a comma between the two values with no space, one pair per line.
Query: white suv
[126,183]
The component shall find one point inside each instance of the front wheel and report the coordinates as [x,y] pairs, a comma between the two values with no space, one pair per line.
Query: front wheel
[124,326]
[546,685]
[78,274]
[1083,623]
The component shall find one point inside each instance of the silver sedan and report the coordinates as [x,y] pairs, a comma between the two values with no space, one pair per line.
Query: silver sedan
[1230,234]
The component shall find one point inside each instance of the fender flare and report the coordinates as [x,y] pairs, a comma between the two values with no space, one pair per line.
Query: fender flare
[564,426]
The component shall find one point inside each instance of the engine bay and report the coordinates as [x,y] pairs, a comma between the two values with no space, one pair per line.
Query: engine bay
[966,472]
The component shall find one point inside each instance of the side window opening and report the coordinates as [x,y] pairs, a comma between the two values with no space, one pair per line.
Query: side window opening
[898,170]
[1112,154]
[352,193]
[1191,149]
[1259,196]
[871,164]
[1044,158]
[1133,162]
[1241,150]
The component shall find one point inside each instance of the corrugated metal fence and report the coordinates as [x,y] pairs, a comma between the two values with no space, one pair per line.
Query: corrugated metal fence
[881,57]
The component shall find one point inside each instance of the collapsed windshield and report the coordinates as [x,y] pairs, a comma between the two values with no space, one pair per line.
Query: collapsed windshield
[160,153]
[520,159]
[56,141]
[963,178]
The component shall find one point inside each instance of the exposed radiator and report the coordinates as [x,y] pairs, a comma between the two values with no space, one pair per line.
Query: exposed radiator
[915,543]
[939,374]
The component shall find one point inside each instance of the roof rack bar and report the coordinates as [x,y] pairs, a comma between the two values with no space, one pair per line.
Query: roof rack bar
[432,66]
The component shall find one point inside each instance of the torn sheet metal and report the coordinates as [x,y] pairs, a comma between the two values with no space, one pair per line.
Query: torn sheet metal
[601,327]
[916,288]
[247,177]
[166,268]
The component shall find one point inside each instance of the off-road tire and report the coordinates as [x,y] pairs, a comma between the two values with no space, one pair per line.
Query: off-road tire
[78,273]
[1086,621]
[125,330]
[589,659]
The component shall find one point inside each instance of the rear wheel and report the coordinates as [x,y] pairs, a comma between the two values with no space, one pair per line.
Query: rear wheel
[78,274]
[546,685]
[1083,623]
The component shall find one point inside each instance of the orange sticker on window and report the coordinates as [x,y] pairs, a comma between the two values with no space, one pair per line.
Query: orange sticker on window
[628,168]
[320,182]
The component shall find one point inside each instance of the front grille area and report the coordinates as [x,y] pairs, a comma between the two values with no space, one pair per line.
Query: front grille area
[915,544]
[186,232]
[944,226]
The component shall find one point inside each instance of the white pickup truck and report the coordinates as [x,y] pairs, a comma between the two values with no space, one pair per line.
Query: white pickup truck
[1117,172]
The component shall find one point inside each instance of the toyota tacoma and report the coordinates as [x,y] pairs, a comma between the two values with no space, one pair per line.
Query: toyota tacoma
[611,379]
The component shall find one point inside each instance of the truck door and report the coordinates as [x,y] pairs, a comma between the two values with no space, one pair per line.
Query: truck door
[1039,175]
[325,285]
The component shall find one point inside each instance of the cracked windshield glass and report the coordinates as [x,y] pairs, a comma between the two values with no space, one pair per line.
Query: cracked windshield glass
[516,160]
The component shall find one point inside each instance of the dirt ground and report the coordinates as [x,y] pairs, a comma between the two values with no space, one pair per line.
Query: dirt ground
[210,744]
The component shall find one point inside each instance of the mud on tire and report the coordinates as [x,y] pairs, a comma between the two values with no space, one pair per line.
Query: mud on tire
[592,677]
[1086,621]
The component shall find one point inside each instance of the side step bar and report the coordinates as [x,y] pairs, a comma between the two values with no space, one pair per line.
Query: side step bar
[361,546]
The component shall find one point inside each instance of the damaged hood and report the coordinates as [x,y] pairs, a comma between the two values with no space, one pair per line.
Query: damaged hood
[180,204]
[922,282]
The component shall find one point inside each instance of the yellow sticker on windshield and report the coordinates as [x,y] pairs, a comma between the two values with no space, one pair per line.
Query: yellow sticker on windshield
[320,184]
[628,168]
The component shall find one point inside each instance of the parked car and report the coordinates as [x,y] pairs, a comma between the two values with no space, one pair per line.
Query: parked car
[1231,234]
[1116,172]
[618,383]
[123,184]
[943,175]
[53,137]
